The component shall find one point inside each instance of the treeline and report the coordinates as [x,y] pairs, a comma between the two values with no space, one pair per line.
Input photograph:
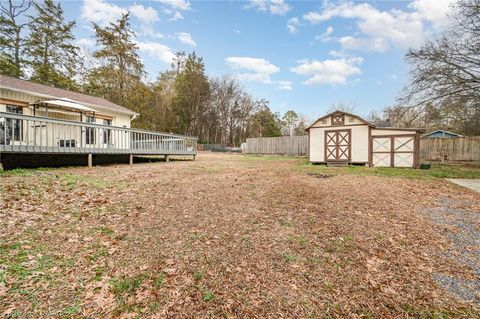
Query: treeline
[36,43]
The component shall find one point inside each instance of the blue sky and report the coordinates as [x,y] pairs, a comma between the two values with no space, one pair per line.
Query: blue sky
[300,55]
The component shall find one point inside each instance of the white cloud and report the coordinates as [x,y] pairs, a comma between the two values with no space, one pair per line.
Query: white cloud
[258,69]
[176,16]
[313,17]
[148,30]
[285,85]
[328,71]
[176,4]
[434,11]
[86,42]
[325,36]
[365,44]
[186,38]
[337,54]
[384,29]
[275,7]
[293,24]
[173,8]
[157,50]
[101,12]
[145,15]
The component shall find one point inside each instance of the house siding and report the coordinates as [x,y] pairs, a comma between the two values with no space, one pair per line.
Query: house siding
[118,119]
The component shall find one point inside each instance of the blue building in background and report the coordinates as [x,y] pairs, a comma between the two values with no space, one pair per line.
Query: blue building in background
[441,133]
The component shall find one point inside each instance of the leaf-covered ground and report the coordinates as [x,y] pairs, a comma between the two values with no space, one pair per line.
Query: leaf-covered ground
[228,237]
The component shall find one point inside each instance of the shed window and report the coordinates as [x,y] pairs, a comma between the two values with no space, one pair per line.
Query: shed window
[338,119]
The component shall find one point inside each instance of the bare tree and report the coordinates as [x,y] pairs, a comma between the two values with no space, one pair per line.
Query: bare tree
[445,72]
[344,106]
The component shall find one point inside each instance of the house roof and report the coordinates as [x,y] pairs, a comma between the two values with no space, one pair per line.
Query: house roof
[46,91]
[372,125]
[443,132]
[382,124]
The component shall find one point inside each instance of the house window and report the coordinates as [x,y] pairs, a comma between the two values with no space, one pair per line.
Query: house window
[14,126]
[107,134]
[90,131]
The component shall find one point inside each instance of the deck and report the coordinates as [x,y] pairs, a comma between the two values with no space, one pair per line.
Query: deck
[43,135]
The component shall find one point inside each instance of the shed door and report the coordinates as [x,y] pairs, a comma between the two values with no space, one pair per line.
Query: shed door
[337,146]
[381,151]
[393,151]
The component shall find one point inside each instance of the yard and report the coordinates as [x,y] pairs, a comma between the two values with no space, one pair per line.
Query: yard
[235,236]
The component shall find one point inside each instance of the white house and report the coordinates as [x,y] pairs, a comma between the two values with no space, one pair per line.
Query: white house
[46,122]
[341,138]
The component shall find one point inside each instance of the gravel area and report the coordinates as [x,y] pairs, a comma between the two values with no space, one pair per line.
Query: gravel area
[461,225]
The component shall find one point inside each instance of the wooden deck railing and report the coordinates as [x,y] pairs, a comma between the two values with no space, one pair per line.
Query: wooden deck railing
[33,134]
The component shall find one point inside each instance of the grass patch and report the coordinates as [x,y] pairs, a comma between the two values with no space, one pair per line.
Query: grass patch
[104,230]
[268,158]
[207,295]
[437,171]
[159,280]
[413,312]
[300,240]
[70,181]
[290,257]
[124,287]
[71,311]
[98,251]
[198,275]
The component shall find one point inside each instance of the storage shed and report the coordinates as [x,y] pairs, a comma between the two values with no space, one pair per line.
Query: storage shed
[341,138]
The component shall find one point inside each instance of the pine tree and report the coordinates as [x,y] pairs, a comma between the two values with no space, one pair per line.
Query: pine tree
[11,41]
[192,90]
[53,56]
[120,67]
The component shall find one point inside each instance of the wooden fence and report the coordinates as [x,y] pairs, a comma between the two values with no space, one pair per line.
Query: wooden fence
[285,145]
[458,149]
[461,149]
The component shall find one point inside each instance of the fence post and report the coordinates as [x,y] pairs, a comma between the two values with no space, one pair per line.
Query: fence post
[90,160]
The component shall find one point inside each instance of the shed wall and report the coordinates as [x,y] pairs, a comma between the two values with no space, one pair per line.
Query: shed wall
[379,131]
[359,140]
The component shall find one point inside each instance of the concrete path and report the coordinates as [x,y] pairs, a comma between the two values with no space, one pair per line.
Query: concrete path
[469,183]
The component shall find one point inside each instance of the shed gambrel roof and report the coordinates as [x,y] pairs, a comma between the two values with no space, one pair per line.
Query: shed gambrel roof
[45,91]
[340,112]
[364,121]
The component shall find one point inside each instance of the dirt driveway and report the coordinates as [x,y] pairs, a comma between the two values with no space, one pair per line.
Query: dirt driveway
[233,237]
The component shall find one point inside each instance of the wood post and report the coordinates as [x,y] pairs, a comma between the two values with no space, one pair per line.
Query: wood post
[194,157]
[167,158]
[131,159]
[90,160]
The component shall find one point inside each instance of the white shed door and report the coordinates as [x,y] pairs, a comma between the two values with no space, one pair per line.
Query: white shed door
[403,149]
[393,151]
[381,151]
